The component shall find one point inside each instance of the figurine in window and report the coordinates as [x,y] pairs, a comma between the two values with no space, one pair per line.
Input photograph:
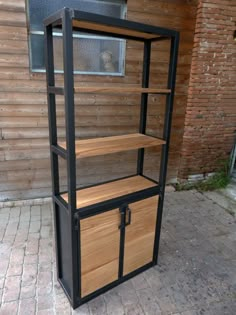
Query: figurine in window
[106,57]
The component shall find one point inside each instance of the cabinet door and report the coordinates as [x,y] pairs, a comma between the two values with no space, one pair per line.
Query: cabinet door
[139,235]
[100,241]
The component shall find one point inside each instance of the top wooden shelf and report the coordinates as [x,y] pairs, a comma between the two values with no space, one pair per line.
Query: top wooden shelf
[109,26]
[114,144]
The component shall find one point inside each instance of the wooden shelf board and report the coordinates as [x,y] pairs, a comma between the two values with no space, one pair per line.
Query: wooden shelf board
[114,144]
[92,26]
[92,195]
[125,89]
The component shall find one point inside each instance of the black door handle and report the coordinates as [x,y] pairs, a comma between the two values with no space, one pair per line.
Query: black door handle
[124,212]
[128,211]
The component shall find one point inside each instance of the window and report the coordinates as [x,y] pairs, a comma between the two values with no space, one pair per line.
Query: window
[92,54]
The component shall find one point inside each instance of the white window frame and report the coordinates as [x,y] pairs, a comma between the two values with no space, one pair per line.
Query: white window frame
[121,70]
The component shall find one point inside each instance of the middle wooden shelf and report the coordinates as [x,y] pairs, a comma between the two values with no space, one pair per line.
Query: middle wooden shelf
[106,145]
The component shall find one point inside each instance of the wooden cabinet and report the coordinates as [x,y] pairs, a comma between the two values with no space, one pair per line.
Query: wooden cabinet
[108,232]
[140,234]
[100,244]
[101,238]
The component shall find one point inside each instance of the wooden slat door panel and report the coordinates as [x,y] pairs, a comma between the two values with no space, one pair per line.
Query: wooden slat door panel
[100,242]
[139,235]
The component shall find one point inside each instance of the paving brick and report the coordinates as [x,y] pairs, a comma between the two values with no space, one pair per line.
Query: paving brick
[27,307]
[28,292]
[83,310]
[34,226]
[14,270]
[128,294]
[10,308]
[113,302]
[44,284]
[14,214]
[35,210]
[11,229]
[32,247]
[29,274]
[11,289]
[17,256]
[97,306]
[4,210]
[45,302]
[46,232]
[30,259]
[148,302]
[134,309]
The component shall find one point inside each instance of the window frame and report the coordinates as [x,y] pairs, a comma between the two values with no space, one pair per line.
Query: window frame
[122,52]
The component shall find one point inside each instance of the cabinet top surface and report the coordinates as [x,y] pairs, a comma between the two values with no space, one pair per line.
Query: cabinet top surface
[108,26]
[100,193]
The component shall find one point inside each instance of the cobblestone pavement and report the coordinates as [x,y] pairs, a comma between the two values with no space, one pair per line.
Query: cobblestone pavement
[196,272]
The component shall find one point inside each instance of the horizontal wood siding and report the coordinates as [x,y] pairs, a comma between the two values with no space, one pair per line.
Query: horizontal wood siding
[24,150]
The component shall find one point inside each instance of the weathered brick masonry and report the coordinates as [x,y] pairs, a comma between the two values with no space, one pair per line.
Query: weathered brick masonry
[211,108]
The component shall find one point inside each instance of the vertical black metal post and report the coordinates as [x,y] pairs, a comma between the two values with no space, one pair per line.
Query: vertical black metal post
[70,145]
[144,101]
[166,137]
[52,122]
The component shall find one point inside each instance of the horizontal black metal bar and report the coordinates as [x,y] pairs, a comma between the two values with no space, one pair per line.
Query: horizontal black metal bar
[113,284]
[158,39]
[117,202]
[54,19]
[60,202]
[59,150]
[55,90]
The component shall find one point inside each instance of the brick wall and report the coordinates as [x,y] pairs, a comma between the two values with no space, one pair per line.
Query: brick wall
[211,107]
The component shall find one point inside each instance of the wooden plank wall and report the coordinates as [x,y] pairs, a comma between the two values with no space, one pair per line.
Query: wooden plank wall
[24,152]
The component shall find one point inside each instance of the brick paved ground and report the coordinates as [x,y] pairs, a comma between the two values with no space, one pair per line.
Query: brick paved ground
[196,272]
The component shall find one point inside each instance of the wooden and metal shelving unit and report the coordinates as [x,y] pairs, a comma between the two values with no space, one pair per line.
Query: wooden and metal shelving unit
[106,233]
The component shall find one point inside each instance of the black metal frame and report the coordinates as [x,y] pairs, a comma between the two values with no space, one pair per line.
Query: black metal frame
[66,216]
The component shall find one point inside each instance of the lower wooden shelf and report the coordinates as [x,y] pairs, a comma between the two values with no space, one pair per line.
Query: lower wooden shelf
[96,194]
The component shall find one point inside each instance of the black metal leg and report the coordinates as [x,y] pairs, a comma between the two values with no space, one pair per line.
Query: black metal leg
[70,143]
[144,101]
[52,122]
[166,137]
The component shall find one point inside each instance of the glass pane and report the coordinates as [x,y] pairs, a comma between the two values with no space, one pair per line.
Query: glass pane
[94,55]
[40,9]
[90,54]
[37,52]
